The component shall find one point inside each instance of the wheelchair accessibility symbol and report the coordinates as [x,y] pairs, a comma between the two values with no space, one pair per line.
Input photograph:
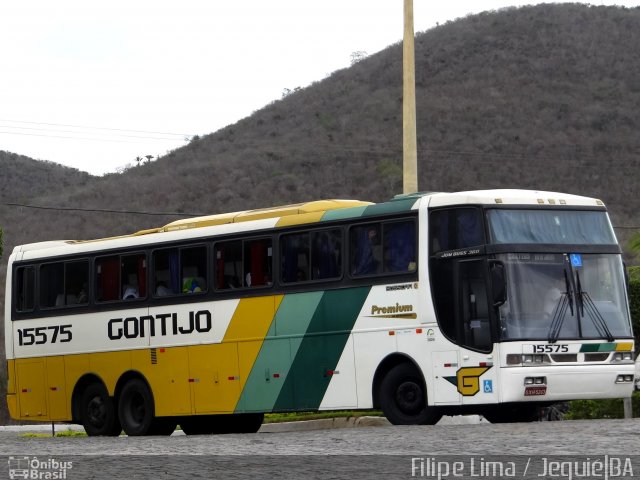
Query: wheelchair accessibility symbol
[487,386]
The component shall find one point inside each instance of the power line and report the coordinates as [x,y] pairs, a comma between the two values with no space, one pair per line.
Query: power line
[102,210]
[96,128]
[90,139]
[183,214]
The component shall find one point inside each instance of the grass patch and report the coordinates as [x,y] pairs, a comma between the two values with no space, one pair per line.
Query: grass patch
[64,433]
[301,416]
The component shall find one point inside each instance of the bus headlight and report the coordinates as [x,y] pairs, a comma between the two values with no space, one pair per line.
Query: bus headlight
[624,378]
[622,357]
[535,380]
[525,359]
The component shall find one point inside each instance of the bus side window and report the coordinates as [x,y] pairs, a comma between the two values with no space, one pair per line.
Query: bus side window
[326,254]
[76,282]
[166,279]
[366,250]
[52,285]
[133,276]
[258,263]
[228,265]
[64,284]
[193,264]
[25,289]
[400,247]
[295,257]
[121,277]
[107,279]
[454,229]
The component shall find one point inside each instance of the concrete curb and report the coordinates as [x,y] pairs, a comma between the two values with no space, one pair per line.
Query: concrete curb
[324,424]
[281,427]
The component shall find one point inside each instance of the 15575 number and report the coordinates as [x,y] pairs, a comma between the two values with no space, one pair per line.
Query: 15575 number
[550,348]
[42,335]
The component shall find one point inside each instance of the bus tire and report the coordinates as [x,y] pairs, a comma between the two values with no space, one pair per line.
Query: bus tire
[247,422]
[403,397]
[98,413]
[136,408]
[163,426]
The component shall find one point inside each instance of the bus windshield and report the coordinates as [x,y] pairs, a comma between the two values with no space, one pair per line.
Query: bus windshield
[564,227]
[550,297]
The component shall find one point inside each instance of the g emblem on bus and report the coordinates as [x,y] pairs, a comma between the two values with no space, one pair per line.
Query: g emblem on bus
[467,380]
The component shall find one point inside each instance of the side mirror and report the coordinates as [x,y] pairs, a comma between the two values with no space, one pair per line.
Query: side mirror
[498,282]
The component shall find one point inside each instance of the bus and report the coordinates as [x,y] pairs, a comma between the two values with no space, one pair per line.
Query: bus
[495,302]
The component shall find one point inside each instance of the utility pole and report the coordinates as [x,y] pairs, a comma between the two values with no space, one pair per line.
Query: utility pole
[409,143]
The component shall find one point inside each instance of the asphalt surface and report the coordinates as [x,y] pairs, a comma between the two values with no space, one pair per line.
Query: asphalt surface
[349,453]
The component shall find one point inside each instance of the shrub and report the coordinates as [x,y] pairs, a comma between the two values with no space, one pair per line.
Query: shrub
[592,409]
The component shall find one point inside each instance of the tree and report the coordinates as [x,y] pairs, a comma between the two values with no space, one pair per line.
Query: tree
[358,56]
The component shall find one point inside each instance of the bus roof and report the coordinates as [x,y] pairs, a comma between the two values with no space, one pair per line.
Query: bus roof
[326,210]
[512,197]
[288,214]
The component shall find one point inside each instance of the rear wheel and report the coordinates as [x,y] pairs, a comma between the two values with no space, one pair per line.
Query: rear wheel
[163,426]
[98,413]
[136,411]
[403,397]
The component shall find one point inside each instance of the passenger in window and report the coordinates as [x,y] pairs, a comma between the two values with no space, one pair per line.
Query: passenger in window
[162,290]
[324,256]
[400,253]
[191,285]
[368,253]
[82,294]
[130,293]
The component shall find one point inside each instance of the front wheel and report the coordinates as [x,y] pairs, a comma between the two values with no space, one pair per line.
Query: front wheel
[403,397]
[98,413]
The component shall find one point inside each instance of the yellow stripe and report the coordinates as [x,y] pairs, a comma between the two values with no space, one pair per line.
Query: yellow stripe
[301,219]
[624,347]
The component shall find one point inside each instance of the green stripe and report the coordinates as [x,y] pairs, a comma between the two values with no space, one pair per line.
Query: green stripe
[342,213]
[395,206]
[271,368]
[598,347]
[320,349]
[386,208]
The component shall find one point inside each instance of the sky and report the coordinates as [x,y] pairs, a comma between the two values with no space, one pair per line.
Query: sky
[95,84]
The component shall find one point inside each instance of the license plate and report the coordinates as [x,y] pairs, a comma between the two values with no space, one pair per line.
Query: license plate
[537,390]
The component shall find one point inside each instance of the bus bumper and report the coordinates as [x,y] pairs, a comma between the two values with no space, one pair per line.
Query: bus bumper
[561,383]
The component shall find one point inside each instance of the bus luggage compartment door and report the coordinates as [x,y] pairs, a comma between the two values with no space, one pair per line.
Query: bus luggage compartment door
[31,388]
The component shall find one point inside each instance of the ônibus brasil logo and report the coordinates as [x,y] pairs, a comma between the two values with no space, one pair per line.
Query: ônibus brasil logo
[34,468]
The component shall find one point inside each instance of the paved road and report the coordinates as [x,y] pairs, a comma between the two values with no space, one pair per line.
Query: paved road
[365,452]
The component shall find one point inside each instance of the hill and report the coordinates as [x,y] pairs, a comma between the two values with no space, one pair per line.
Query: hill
[541,97]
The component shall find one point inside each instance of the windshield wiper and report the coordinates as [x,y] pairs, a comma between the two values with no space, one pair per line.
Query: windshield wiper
[594,314]
[565,301]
